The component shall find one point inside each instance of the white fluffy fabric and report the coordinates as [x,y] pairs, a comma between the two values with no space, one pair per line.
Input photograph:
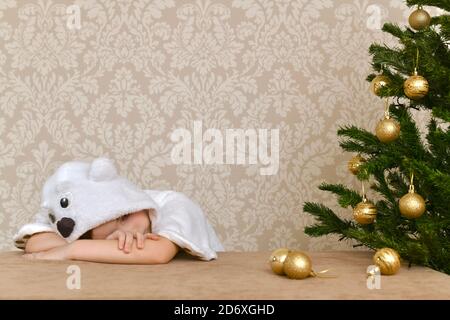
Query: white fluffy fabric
[81,195]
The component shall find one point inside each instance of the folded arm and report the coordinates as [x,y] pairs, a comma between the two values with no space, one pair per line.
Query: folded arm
[107,251]
[50,246]
[44,241]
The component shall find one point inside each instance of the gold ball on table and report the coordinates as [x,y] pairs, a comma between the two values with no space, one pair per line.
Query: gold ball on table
[277,259]
[378,83]
[387,130]
[297,265]
[419,19]
[412,205]
[365,212]
[388,260]
[355,163]
[416,87]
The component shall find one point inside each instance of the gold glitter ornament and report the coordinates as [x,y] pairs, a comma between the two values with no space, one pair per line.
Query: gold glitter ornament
[277,259]
[412,205]
[387,130]
[298,265]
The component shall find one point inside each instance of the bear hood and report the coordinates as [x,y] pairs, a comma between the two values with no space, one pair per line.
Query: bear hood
[82,195]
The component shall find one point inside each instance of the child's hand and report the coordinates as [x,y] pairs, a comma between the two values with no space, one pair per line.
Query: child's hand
[126,239]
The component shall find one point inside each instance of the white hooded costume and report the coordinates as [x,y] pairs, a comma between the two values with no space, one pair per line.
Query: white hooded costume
[81,195]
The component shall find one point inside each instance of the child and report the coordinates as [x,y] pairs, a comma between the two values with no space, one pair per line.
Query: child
[90,213]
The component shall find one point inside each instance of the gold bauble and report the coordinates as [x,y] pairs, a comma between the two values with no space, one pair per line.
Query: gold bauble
[416,87]
[297,265]
[355,163]
[277,259]
[412,205]
[379,82]
[419,19]
[387,130]
[365,212]
[388,260]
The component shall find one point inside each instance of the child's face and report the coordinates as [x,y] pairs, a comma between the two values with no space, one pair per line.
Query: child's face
[134,222]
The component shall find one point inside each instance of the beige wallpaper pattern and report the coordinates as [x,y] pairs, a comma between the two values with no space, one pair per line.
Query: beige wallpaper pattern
[137,70]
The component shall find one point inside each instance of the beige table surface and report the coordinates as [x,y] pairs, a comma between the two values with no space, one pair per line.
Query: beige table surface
[234,275]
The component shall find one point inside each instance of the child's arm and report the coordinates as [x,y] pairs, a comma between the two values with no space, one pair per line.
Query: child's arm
[107,251]
[44,241]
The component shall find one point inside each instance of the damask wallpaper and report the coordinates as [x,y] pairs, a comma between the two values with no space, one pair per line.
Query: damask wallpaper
[88,78]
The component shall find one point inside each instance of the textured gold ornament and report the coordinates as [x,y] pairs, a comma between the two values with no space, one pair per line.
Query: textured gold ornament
[379,82]
[365,212]
[387,130]
[298,265]
[388,260]
[416,87]
[412,205]
[419,19]
[277,259]
[354,164]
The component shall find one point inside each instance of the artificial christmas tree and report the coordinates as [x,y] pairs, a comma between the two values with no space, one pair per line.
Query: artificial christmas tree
[411,174]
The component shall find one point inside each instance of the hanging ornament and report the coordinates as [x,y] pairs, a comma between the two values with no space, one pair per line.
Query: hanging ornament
[297,265]
[277,259]
[387,130]
[419,19]
[355,163]
[365,212]
[416,87]
[379,82]
[412,205]
[388,260]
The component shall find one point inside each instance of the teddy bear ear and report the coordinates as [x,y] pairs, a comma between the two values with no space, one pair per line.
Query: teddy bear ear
[102,169]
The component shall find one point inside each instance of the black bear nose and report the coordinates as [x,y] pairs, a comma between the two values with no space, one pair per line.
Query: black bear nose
[65,226]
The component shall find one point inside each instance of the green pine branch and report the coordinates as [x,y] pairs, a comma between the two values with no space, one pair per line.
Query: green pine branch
[442,4]
[346,197]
